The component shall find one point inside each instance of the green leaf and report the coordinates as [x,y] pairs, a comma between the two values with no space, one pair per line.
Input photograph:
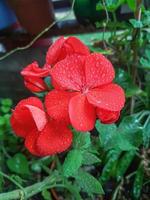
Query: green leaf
[136,23]
[124,163]
[5,109]
[110,163]
[145,61]
[36,167]
[90,158]
[46,195]
[138,182]
[72,162]
[134,90]
[131,130]
[6,102]
[146,135]
[2,121]
[128,136]
[111,5]
[146,18]
[88,183]
[106,132]
[132,4]
[125,80]
[81,140]
[18,164]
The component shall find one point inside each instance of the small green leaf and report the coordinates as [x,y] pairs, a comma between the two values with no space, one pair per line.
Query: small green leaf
[90,158]
[138,182]
[146,135]
[81,140]
[18,164]
[136,23]
[46,195]
[6,102]
[2,121]
[145,63]
[5,109]
[106,132]
[36,167]
[89,183]
[72,162]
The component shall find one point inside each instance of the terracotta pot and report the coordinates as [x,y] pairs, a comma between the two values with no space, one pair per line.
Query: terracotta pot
[33,15]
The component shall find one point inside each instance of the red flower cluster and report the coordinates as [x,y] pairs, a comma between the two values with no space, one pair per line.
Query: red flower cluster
[83,91]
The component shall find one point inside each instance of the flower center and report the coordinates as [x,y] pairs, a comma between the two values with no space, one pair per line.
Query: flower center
[85,90]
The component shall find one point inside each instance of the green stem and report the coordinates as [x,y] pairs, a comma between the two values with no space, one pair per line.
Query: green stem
[115,23]
[30,190]
[134,48]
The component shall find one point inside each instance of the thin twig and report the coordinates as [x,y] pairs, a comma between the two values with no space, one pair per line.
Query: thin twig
[38,36]
[134,49]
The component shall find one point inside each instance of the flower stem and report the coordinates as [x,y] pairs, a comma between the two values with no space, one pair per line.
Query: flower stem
[30,190]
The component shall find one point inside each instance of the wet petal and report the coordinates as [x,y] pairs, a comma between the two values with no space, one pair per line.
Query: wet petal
[107,117]
[110,97]
[38,115]
[22,121]
[82,113]
[55,138]
[65,47]
[30,142]
[53,53]
[35,84]
[57,105]
[33,70]
[69,73]
[77,46]
[18,128]
[99,70]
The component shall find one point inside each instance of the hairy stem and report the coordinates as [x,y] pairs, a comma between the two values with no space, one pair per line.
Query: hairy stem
[134,48]
[30,190]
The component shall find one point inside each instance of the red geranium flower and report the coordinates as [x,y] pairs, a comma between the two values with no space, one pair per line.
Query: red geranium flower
[65,47]
[33,77]
[88,91]
[43,136]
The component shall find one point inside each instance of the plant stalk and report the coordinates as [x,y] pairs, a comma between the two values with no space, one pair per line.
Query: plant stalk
[29,191]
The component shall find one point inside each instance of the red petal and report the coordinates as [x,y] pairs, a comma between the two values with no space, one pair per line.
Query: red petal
[65,47]
[22,121]
[55,138]
[69,73]
[35,84]
[82,114]
[56,85]
[30,142]
[110,97]
[107,117]
[18,128]
[57,104]
[53,53]
[33,70]
[39,116]
[99,70]
[77,46]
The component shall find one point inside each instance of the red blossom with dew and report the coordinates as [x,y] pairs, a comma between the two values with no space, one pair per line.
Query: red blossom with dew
[89,79]
[43,135]
[83,91]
